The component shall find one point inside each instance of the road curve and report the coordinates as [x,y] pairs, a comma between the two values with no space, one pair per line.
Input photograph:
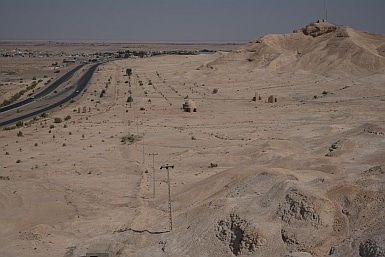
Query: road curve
[49,89]
[80,86]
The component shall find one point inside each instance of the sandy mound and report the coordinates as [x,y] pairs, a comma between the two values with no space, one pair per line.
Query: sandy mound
[320,46]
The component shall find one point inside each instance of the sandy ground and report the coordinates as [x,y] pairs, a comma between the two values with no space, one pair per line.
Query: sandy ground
[303,176]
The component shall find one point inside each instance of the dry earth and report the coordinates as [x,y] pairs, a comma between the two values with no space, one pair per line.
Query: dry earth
[303,176]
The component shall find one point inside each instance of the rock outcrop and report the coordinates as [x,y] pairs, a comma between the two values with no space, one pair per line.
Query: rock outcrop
[317,29]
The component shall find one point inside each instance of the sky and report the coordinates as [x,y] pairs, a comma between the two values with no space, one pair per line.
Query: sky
[178,20]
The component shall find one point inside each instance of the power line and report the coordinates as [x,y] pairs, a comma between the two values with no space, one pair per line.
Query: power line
[153,172]
[168,167]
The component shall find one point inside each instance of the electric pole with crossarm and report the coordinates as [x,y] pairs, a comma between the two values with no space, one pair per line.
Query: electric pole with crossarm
[168,167]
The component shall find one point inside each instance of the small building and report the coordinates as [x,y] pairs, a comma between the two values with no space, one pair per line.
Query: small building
[189,106]
[69,60]
[272,99]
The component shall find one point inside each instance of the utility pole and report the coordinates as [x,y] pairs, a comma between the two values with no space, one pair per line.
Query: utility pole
[153,172]
[129,85]
[325,11]
[168,167]
[143,148]
[137,126]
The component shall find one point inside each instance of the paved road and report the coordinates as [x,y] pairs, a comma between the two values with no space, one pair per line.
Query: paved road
[49,89]
[80,86]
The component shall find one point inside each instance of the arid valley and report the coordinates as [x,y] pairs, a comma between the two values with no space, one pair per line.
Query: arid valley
[282,153]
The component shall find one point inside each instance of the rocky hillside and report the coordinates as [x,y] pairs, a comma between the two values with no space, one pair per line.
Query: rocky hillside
[319,46]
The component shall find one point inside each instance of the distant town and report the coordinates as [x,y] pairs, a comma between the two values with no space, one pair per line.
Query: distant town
[97,56]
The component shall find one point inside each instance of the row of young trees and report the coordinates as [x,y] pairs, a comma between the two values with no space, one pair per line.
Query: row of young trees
[17,95]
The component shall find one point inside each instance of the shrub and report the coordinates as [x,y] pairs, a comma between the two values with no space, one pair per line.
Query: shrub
[215,90]
[57,120]
[9,128]
[129,138]
[19,134]
[129,99]
[213,165]
[68,117]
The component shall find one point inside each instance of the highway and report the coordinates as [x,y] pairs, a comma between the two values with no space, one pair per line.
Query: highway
[49,89]
[80,86]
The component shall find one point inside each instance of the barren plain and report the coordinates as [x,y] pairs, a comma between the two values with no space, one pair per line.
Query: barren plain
[303,175]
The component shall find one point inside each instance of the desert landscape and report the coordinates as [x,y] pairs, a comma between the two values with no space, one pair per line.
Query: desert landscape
[274,148]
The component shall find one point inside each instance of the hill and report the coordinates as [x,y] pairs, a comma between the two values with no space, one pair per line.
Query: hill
[321,47]
[300,176]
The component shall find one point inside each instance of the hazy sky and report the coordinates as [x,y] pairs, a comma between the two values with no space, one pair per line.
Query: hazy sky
[178,20]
